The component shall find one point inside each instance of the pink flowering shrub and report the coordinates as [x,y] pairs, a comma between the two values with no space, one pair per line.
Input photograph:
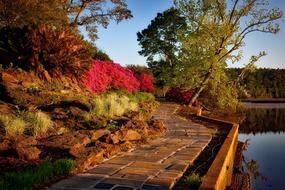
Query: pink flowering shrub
[105,75]
[146,84]
[179,95]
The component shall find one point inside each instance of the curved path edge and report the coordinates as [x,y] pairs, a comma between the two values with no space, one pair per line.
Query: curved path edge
[157,165]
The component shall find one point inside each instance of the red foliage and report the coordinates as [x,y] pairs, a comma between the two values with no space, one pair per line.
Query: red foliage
[105,75]
[179,95]
[145,80]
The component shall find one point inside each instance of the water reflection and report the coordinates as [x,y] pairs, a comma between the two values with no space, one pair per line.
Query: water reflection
[263,121]
[265,154]
[252,167]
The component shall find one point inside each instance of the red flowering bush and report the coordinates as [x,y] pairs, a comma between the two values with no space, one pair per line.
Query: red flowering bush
[143,75]
[145,80]
[105,75]
[179,95]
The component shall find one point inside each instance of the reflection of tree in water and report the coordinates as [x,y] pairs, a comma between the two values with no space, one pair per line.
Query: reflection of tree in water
[263,120]
[251,167]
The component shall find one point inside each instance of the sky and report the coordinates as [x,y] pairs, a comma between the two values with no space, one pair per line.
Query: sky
[119,41]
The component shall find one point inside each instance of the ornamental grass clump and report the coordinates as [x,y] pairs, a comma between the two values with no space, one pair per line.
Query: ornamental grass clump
[12,125]
[40,122]
[110,105]
[97,106]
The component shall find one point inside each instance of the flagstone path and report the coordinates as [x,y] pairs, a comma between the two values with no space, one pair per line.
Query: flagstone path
[157,165]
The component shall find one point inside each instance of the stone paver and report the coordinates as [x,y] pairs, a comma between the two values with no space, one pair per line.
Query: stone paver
[155,166]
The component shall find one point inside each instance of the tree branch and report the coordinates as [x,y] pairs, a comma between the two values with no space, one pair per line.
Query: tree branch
[82,7]
[232,11]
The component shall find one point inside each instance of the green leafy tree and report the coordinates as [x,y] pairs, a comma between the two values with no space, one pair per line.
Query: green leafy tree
[216,31]
[212,33]
[160,43]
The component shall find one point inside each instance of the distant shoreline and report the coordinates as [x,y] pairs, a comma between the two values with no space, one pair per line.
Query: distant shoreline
[263,100]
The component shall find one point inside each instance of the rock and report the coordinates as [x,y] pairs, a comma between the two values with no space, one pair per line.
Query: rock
[67,140]
[62,130]
[26,84]
[113,139]
[5,145]
[76,112]
[132,135]
[59,113]
[99,133]
[82,138]
[8,78]
[24,141]
[90,157]
[77,150]
[28,153]
[159,124]
[127,146]
[25,149]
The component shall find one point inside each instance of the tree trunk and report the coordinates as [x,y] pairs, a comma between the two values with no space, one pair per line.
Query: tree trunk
[202,86]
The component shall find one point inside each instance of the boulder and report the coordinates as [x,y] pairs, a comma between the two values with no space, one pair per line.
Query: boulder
[99,133]
[132,135]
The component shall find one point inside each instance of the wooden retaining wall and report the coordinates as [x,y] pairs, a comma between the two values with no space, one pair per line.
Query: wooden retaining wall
[219,174]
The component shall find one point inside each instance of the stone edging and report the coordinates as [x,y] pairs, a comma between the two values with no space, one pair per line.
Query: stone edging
[219,174]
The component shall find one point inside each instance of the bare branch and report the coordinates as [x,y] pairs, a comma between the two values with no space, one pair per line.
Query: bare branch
[232,11]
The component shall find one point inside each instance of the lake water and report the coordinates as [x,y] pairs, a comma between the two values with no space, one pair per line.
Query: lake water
[264,129]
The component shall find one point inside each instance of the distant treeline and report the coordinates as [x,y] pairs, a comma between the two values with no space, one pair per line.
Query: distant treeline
[263,83]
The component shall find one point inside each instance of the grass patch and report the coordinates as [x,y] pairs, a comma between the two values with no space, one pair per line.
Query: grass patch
[40,122]
[35,176]
[112,126]
[113,104]
[13,125]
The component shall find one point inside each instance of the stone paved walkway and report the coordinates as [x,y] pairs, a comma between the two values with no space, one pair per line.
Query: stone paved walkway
[155,166]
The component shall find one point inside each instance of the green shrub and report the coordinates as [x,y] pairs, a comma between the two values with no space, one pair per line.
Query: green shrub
[145,97]
[190,182]
[112,126]
[34,176]
[138,97]
[12,124]
[40,122]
